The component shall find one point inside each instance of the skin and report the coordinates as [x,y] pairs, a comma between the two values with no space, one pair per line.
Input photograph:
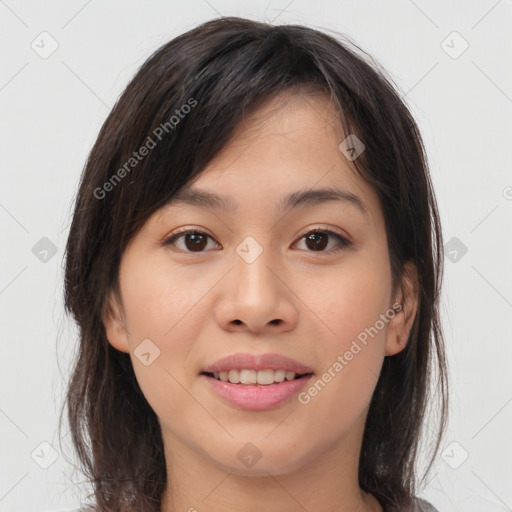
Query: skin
[197,307]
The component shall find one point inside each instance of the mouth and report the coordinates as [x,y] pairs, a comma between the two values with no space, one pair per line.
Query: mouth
[255,391]
[256,379]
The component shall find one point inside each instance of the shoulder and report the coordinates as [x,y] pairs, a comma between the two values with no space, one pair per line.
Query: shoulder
[423,506]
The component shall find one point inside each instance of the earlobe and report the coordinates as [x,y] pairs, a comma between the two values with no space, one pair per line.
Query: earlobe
[405,307]
[115,327]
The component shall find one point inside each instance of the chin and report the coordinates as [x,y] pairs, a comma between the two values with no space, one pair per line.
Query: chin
[260,465]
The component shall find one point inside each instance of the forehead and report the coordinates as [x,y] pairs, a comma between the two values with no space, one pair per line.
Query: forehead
[284,156]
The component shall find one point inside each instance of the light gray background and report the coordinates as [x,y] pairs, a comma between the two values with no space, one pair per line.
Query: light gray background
[52,109]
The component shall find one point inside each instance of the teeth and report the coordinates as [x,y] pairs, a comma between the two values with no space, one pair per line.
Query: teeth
[263,377]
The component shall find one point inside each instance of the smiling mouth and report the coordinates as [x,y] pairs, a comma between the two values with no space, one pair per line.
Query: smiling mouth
[297,377]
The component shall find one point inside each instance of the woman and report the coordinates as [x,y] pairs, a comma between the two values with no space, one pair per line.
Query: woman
[254,264]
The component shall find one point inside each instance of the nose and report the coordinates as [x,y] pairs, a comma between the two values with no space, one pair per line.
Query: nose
[256,296]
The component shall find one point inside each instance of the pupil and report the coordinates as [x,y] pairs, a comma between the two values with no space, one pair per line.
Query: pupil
[195,238]
[317,244]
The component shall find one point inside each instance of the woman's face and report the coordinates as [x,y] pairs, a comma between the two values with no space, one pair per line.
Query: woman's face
[253,282]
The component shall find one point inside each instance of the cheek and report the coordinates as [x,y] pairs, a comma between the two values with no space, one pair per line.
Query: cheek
[352,298]
[162,305]
[159,299]
[352,348]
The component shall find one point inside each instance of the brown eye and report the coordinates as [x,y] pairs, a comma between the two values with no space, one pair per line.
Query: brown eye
[194,241]
[318,239]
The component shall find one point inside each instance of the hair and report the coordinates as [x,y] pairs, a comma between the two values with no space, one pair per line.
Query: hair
[222,71]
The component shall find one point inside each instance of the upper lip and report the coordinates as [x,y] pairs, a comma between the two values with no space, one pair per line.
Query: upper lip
[270,361]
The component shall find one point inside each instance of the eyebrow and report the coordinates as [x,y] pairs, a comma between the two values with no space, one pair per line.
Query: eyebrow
[299,199]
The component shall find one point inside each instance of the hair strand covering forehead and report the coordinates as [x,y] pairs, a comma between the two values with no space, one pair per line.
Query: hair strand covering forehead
[183,106]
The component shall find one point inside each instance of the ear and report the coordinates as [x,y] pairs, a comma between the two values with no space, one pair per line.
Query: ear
[115,327]
[405,306]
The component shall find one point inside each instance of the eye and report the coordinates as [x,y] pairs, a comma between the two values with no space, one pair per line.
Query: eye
[317,240]
[194,240]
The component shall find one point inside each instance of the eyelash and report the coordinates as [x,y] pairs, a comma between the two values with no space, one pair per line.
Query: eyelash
[344,242]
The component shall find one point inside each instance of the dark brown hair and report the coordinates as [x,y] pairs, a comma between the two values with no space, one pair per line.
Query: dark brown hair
[224,70]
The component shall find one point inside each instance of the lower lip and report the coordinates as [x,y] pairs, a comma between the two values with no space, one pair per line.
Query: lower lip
[257,398]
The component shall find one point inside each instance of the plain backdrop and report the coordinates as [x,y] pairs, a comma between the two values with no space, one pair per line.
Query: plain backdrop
[64,63]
